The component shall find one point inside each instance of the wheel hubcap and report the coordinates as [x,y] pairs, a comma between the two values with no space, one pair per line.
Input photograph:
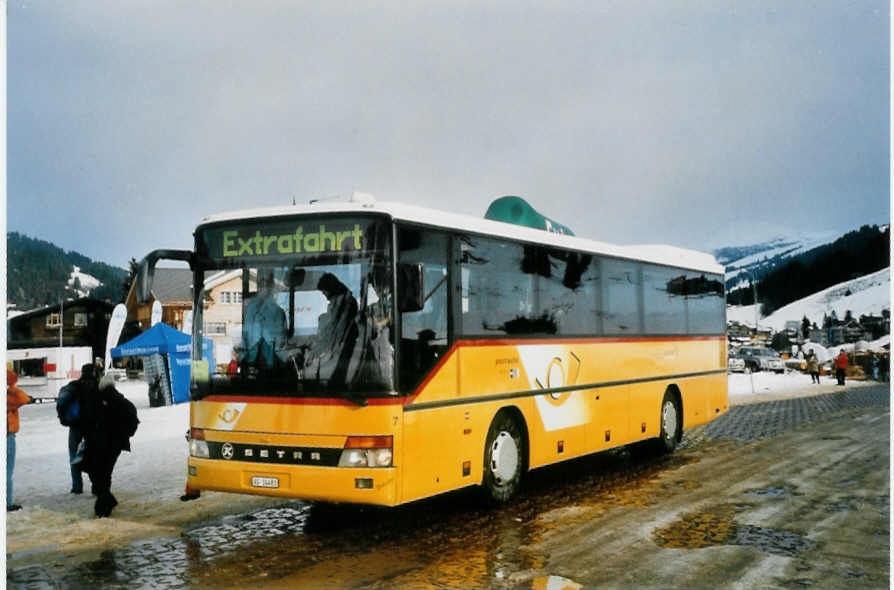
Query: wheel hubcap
[503,458]
[669,418]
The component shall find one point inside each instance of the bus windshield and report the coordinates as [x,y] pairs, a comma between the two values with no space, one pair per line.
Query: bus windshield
[306,307]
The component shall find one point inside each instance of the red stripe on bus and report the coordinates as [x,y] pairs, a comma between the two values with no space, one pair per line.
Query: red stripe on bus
[304,401]
[563,341]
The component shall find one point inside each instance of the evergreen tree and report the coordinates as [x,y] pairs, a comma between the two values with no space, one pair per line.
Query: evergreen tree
[781,343]
[129,279]
[805,327]
[38,273]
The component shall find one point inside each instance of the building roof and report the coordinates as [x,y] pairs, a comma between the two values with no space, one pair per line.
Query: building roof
[82,302]
[172,284]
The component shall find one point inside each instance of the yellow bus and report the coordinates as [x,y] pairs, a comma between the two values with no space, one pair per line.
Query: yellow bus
[388,353]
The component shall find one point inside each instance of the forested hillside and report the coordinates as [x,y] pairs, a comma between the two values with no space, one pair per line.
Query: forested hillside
[38,273]
[853,255]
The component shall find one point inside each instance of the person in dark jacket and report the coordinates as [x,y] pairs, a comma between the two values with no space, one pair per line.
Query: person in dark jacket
[108,421]
[79,389]
[329,354]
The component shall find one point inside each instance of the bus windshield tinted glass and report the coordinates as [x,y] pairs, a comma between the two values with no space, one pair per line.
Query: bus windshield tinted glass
[299,307]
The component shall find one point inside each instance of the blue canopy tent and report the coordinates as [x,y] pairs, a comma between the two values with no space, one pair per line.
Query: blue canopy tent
[161,339]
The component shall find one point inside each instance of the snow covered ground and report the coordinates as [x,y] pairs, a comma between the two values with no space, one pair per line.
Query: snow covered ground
[149,480]
[763,386]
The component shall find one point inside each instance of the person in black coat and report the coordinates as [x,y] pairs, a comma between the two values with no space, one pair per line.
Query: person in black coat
[73,393]
[108,421]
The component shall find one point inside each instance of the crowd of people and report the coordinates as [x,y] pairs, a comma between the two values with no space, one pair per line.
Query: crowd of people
[100,422]
[874,366]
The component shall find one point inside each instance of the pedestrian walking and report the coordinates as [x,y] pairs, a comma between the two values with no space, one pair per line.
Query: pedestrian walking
[68,408]
[108,420]
[813,366]
[840,366]
[15,398]
[100,371]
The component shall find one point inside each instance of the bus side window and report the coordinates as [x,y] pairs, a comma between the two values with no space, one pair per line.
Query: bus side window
[621,311]
[424,332]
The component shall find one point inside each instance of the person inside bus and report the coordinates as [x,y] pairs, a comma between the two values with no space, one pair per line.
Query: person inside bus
[233,367]
[263,325]
[329,351]
[376,359]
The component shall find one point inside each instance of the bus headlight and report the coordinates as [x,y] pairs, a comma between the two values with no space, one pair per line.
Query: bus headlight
[380,458]
[353,458]
[198,448]
[197,445]
[367,451]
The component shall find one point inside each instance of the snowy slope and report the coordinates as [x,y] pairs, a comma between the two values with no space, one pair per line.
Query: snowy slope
[87,282]
[869,294]
[759,256]
[768,254]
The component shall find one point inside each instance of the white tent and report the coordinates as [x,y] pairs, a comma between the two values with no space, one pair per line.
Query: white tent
[880,344]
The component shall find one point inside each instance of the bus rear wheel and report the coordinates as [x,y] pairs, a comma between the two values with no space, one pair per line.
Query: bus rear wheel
[671,424]
[504,458]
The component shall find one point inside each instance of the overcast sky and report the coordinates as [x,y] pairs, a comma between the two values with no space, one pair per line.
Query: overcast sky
[631,122]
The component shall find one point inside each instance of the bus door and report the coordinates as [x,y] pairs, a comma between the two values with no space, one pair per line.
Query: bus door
[423,343]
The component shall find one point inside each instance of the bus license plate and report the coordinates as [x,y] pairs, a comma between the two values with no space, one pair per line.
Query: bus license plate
[264,482]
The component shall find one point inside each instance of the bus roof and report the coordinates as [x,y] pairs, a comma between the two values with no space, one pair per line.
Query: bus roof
[659,254]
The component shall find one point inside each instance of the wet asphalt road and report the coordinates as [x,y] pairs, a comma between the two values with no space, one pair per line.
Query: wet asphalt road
[453,541]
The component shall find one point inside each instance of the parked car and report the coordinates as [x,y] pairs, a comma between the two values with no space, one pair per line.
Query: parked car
[735,364]
[758,358]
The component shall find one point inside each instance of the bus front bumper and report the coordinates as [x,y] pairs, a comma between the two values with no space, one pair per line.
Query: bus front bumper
[330,484]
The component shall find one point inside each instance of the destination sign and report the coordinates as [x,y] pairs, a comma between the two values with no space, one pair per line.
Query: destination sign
[282,239]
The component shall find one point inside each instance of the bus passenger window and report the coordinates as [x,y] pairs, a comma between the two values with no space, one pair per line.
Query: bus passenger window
[424,332]
[620,297]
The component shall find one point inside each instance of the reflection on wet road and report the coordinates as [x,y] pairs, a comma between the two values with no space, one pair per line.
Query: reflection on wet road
[454,540]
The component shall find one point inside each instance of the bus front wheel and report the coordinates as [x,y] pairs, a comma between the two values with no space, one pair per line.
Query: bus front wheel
[671,423]
[504,458]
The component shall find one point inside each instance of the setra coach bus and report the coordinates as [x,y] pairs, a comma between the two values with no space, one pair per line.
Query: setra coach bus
[388,353]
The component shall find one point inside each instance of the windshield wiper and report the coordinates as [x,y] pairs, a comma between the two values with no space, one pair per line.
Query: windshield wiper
[357,399]
[350,396]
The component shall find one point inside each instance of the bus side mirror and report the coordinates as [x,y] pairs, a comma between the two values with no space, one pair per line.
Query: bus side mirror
[146,271]
[410,287]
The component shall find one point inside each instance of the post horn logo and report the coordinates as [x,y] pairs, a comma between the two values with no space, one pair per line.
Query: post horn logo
[229,415]
[556,376]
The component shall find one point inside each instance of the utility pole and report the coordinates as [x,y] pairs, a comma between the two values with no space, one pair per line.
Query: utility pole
[61,322]
[756,306]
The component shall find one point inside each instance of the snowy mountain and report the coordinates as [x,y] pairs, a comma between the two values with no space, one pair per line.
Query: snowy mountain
[39,273]
[743,261]
[790,268]
[866,295]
